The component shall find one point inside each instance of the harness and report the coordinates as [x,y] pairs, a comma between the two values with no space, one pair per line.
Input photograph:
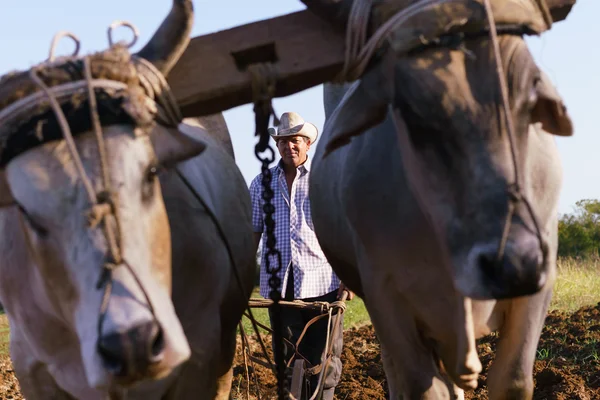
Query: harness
[120,87]
[360,52]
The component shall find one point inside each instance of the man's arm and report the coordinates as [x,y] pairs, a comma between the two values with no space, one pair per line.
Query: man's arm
[343,288]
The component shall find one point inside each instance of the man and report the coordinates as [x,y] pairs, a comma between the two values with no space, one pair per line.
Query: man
[305,272]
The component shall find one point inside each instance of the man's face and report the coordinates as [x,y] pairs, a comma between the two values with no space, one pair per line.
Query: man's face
[293,150]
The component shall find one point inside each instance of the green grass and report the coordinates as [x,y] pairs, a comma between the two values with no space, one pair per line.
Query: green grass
[577,284]
[4,334]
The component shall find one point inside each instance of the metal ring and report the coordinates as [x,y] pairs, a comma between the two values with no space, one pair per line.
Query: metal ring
[119,23]
[57,38]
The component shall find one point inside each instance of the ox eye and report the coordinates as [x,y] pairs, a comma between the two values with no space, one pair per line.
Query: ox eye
[150,177]
[151,173]
[33,224]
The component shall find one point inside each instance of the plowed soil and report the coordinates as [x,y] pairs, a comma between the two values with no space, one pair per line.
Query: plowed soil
[567,365]
[567,368]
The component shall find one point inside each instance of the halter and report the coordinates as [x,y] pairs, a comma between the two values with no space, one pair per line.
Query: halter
[360,51]
[141,101]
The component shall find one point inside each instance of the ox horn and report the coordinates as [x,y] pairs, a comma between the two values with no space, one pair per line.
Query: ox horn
[172,37]
[334,11]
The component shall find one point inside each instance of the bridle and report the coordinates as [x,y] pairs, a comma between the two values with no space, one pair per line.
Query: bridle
[360,51]
[154,98]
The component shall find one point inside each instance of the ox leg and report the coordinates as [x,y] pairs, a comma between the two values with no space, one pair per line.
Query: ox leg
[390,371]
[224,386]
[409,366]
[224,381]
[511,375]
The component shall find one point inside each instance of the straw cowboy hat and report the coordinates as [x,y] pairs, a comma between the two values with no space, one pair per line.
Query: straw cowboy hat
[292,124]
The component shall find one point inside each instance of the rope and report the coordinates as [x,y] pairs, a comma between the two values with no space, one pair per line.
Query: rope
[514,190]
[356,34]
[59,93]
[358,55]
[64,126]
[317,305]
[155,84]
[327,310]
[263,78]
[269,330]
[359,51]
[328,351]
[107,201]
[356,61]
[103,203]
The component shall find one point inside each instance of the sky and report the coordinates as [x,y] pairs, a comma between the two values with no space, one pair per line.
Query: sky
[568,53]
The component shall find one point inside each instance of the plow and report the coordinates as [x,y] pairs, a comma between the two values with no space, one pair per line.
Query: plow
[254,64]
[298,368]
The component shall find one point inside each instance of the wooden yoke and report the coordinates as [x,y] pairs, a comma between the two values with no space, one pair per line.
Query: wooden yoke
[210,76]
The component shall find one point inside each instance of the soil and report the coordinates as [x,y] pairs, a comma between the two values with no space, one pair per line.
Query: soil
[567,366]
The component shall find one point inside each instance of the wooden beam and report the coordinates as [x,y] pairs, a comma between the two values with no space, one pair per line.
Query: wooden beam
[210,76]
[306,49]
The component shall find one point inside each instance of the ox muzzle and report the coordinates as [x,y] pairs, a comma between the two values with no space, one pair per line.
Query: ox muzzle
[521,269]
[131,355]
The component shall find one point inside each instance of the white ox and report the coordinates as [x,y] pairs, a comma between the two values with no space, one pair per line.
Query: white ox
[174,251]
[410,210]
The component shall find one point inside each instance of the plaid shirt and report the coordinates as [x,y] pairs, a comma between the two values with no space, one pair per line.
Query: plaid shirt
[295,235]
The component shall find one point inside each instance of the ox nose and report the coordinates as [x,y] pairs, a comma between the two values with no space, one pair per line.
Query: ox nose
[129,354]
[519,272]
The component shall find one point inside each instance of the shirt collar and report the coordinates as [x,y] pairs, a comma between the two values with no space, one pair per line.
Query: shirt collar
[302,168]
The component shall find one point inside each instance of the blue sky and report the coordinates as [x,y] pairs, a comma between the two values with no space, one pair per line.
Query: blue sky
[568,53]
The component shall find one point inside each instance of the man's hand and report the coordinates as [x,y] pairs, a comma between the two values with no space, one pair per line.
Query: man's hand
[341,290]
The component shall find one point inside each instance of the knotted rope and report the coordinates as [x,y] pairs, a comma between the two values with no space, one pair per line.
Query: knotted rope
[103,204]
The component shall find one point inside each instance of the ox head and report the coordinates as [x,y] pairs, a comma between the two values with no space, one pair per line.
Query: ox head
[140,336]
[447,106]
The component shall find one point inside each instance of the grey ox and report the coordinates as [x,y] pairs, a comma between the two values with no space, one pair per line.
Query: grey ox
[412,187]
[166,329]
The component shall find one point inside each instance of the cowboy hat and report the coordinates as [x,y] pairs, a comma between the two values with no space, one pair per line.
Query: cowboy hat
[292,124]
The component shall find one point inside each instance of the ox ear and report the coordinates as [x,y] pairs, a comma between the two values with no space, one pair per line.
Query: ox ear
[6,197]
[175,145]
[550,110]
[364,105]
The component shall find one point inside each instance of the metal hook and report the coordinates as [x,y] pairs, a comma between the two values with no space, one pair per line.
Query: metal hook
[118,23]
[57,38]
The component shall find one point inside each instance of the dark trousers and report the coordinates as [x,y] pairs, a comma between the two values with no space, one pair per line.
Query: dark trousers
[313,343]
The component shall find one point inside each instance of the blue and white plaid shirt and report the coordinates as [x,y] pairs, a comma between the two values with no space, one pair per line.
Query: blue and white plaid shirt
[296,239]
